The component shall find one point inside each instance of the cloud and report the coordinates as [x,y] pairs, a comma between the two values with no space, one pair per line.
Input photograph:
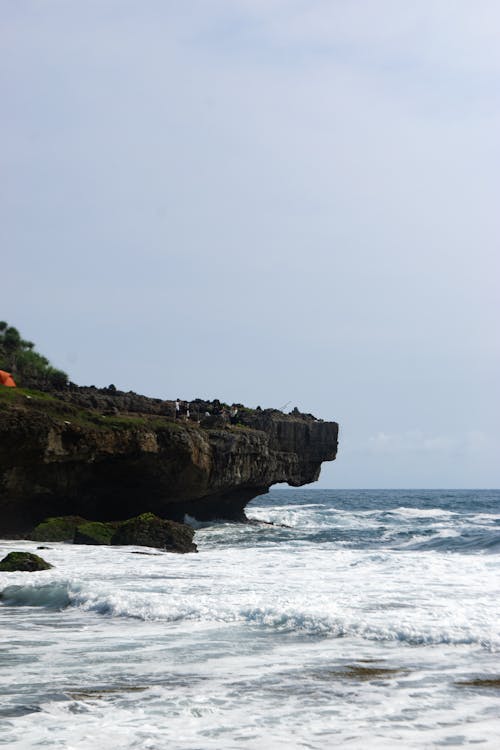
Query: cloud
[451,34]
[418,442]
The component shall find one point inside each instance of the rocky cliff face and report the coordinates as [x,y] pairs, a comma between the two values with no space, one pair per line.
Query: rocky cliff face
[57,458]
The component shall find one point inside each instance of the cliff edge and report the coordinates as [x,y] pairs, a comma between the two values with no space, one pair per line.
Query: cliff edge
[107,455]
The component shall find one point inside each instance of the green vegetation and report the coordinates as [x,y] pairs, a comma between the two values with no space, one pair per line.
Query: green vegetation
[125,421]
[145,530]
[61,410]
[94,532]
[16,396]
[28,367]
[25,561]
[150,531]
[122,422]
[59,529]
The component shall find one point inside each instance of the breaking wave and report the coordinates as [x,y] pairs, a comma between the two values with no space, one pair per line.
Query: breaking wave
[50,595]
[290,618]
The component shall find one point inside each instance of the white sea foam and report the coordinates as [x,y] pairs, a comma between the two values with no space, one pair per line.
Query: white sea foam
[298,615]
[250,643]
[486,518]
[423,512]
[315,596]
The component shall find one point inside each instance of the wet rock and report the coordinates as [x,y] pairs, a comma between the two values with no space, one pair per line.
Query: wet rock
[60,456]
[24,561]
[94,532]
[147,530]
[481,682]
[59,529]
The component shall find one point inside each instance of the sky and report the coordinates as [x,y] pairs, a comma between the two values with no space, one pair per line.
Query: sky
[273,202]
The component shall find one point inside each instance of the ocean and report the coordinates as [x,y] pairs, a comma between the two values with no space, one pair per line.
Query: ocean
[360,619]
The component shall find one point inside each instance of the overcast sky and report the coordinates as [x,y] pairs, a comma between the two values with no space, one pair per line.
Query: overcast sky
[266,201]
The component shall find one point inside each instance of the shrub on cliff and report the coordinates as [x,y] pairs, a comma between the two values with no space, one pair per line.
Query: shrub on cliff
[31,369]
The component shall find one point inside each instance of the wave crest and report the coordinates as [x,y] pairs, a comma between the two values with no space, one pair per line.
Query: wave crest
[53,595]
[286,617]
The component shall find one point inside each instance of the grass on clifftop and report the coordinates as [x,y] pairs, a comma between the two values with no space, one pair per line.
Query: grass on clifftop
[18,396]
[26,398]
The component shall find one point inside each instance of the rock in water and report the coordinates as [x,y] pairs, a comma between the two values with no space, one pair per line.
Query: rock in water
[94,532]
[23,561]
[147,530]
[59,529]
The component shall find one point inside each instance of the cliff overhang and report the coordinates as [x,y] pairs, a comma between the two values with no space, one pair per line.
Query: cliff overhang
[106,455]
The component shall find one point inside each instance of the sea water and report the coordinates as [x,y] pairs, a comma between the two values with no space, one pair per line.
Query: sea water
[360,619]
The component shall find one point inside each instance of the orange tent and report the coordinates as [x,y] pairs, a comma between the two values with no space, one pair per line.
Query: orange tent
[7,379]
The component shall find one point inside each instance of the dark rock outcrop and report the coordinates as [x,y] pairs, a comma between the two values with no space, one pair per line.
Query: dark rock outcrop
[56,529]
[60,457]
[24,561]
[94,532]
[147,530]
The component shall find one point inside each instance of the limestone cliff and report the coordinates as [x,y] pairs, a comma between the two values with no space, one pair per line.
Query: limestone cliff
[81,453]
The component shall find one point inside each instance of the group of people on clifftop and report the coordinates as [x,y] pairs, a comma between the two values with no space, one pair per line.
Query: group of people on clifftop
[184,411]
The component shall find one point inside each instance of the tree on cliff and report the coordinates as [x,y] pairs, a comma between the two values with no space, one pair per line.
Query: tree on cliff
[29,367]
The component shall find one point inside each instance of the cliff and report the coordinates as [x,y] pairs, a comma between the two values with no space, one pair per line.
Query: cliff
[106,455]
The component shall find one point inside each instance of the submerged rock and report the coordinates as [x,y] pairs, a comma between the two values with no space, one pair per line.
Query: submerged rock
[147,530]
[26,561]
[481,682]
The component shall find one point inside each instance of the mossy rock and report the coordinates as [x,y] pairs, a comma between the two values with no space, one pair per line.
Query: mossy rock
[147,530]
[94,532]
[58,529]
[23,561]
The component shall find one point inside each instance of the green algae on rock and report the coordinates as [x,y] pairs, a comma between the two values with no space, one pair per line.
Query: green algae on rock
[23,561]
[58,529]
[94,532]
[147,530]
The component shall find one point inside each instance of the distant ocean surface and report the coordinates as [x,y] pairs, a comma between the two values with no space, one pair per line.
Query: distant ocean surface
[369,619]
